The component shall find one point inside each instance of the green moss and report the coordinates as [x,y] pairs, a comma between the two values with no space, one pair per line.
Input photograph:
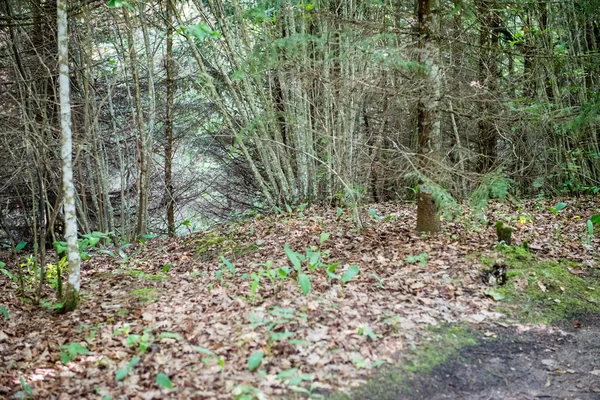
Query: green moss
[241,250]
[141,274]
[211,244]
[394,380]
[145,295]
[545,291]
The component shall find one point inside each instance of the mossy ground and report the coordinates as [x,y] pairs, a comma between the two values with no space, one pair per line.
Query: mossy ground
[214,244]
[540,291]
[145,295]
[394,380]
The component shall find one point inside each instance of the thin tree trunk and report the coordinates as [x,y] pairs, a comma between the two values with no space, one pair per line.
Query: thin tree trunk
[71,295]
[169,123]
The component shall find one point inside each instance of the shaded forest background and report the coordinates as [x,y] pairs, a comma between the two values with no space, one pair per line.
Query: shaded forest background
[186,113]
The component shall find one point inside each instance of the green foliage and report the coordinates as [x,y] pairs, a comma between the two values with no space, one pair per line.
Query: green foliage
[164,381]
[27,390]
[86,242]
[420,258]
[211,356]
[304,282]
[4,312]
[446,204]
[71,351]
[145,295]
[495,185]
[254,360]
[294,377]
[200,32]
[556,209]
[247,392]
[350,273]
[365,330]
[123,372]
[373,215]
[119,4]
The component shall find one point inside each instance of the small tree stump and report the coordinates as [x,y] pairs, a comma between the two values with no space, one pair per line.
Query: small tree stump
[428,219]
[504,233]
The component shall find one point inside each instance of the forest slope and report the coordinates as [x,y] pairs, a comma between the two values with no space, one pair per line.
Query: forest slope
[213,315]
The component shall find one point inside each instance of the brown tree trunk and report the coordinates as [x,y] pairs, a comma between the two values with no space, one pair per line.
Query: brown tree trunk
[428,119]
[169,124]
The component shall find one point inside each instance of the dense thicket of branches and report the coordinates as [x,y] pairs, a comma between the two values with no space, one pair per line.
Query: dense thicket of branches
[285,101]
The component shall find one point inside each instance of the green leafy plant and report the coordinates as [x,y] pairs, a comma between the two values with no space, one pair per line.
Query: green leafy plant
[211,356]
[254,360]
[71,351]
[123,372]
[4,312]
[378,280]
[350,273]
[373,215]
[27,390]
[494,185]
[590,228]
[247,392]
[420,258]
[164,381]
[365,330]
[556,209]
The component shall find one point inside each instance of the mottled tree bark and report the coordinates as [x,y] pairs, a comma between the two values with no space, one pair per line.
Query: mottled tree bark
[428,123]
[169,123]
[71,294]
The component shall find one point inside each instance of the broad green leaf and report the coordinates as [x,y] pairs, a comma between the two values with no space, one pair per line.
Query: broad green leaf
[228,264]
[5,272]
[287,373]
[20,246]
[324,237]
[560,206]
[283,272]
[350,273]
[163,381]
[313,258]
[169,335]
[339,212]
[203,350]
[369,332]
[373,214]
[304,281]
[64,358]
[293,256]
[590,227]
[594,218]
[133,362]
[26,387]
[2,265]
[121,374]
[255,360]
[299,342]
[4,312]
[275,336]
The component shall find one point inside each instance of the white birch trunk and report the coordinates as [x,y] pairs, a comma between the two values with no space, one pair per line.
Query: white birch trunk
[71,296]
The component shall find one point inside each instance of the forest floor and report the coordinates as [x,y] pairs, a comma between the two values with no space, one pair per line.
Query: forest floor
[211,316]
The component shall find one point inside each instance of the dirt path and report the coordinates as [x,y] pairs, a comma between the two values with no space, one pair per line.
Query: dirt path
[520,365]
